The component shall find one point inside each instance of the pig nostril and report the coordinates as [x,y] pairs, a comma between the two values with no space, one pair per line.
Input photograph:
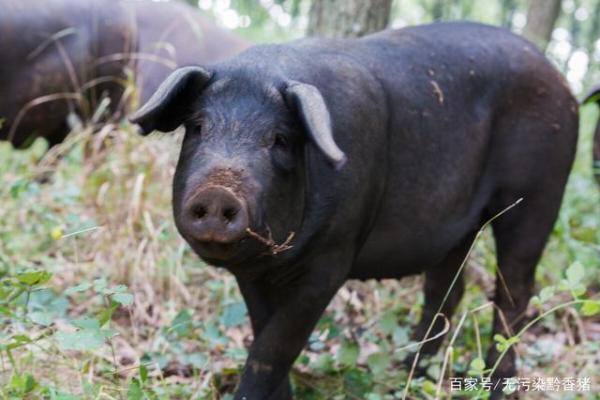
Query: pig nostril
[214,215]
[200,212]
[229,213]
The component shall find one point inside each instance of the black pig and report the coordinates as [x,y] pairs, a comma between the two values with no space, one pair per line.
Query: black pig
[51,64]
[175,33]
[383,156]
[62,56]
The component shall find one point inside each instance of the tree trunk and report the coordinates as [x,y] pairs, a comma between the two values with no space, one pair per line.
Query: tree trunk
[541,17]
[508,11]
[593,36]
[347,18]
[438,9]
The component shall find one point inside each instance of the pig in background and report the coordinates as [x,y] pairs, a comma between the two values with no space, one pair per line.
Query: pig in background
[171,35]
[61,57]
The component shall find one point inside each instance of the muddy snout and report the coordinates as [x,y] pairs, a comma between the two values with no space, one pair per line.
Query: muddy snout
[215,215]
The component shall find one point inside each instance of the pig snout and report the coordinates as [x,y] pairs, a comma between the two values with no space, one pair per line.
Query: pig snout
[215,216]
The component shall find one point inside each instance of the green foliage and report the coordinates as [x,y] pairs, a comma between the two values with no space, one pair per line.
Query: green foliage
[234,314]
[22,385]
[378,363]
[182,324]
[348,354]
[85,338]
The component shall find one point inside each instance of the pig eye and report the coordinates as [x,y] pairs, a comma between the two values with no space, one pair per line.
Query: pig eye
[280,142]
[281,152]
[197,130]
[195,124]
[193,129]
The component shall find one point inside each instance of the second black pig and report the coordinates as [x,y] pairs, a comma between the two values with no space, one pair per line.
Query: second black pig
[63,56]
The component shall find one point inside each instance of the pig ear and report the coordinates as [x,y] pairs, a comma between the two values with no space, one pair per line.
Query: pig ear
[314,114]
[170,104]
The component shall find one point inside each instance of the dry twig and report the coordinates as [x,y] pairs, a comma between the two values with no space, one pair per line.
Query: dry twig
[274,248]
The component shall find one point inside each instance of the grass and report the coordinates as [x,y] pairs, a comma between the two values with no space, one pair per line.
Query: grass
[101,299]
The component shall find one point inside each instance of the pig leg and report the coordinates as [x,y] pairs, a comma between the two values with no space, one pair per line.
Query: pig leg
[520,235]
[260,300]
[293,316]
[437,283]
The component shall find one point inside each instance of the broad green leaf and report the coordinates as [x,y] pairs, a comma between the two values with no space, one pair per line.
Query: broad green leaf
[34,277]
[388,322]
[323,363]
[86,323]
[401,336]
[100,285]
[18,341]
[234,314]
[429,387]
[499,338]
[84,339]
[24,383]
[91,390]
[237,354]
[564,285]
[115,289]
[500,342]
[124,299]
[546,293]
[578,290]
[106,314]
[357,382]
[42,318]
[82,287]
[348,353]
[214,335]
[182,323]
[134,392]
[504,343]
[196,360]
[590,308]
[143,373]
[29,383]
[46,300]
[575,273]
[378,362]
[317,345]
[476,367]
